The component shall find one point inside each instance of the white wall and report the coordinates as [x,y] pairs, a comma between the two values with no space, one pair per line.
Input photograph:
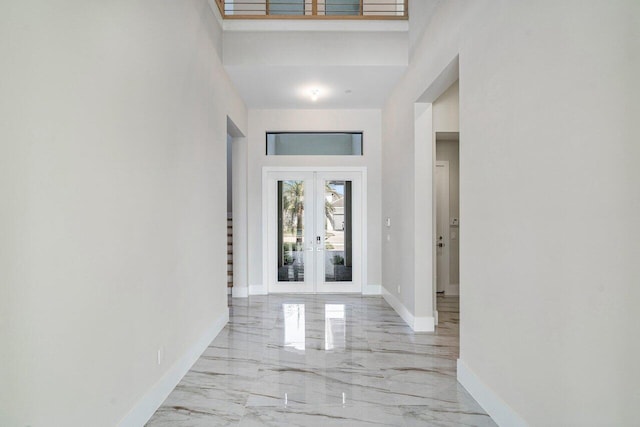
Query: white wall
[446,110]
[112,172]
[548,185]
[420,14]
[315,48]
[261,121]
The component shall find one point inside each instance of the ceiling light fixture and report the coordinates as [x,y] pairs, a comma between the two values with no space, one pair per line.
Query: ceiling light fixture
[314,94]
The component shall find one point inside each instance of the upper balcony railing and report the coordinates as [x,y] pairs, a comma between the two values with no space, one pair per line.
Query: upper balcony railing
[314,9]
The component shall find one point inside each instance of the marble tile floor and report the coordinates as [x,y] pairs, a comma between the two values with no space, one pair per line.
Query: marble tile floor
[324,360]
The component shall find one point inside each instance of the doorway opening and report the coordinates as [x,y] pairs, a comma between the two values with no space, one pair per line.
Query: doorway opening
[229,213]
[447,194]
[236,175]
[446,204]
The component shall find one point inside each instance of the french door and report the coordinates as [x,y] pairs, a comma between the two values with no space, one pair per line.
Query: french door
[314,231]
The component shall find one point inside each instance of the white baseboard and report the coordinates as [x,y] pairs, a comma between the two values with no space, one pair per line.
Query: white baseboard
[418,324]
[257,290]
[240,292]
[452,289]
[424,324]
[261,290]
[372,290]
[398,307]
[153,398]
[499,411]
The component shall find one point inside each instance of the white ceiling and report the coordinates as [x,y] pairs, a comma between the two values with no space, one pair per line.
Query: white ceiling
[284,87]
[279,68]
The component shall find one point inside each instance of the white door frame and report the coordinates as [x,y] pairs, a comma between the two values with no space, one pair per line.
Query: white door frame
[266,253]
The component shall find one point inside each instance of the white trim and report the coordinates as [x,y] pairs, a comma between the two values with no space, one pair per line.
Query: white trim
[364,223]
[424,254]
[257,290]
[264,230]
[398,307]
[153,398]
[267,169]
[370,289]
[497,408]
[418,324]
[424,324]
[311,25]
[240,292]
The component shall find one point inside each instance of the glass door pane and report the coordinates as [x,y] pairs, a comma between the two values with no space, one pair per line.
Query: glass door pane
[338,236]
[291,231]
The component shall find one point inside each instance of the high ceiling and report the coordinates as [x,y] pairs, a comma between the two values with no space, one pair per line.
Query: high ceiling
[283,87]
[350,64]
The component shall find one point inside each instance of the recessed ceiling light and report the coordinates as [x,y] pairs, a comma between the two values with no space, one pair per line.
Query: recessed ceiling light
[313,91]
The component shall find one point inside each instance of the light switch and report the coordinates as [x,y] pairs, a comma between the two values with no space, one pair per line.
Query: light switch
[388,222]
[454,235]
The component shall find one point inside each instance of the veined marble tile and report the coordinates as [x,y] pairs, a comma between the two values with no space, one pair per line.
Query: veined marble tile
[200,406]
[420,416]
[442,392]
[219,364]
[219,380]
[326,416]
[429,350]
[284,387]
[326,360]
[319,359]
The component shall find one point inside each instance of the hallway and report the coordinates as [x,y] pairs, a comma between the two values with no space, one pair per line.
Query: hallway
[287,360]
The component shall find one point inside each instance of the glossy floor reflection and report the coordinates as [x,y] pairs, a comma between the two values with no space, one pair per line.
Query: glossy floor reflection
[324,361]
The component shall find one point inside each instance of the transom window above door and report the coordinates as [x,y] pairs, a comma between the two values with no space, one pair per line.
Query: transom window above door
[314,144]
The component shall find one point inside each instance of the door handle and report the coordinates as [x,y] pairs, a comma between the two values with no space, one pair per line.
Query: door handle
[440,245]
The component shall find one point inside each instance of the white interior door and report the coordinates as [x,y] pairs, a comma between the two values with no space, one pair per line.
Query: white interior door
[314,231]
[442,225]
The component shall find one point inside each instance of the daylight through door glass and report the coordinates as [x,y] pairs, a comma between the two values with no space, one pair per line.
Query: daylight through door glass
[291,231]
[338,227]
